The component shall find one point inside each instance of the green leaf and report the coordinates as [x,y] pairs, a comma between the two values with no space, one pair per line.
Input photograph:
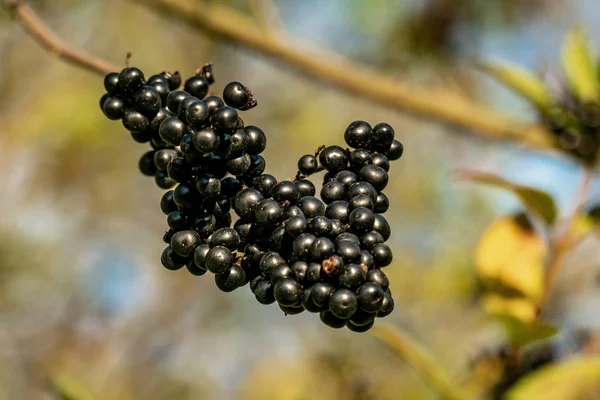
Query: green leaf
[521,334]
[67,388]
[520,80]
[537,201]
[580,66]
[572,379]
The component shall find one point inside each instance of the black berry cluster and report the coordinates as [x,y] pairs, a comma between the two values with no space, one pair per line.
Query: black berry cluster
[305,253]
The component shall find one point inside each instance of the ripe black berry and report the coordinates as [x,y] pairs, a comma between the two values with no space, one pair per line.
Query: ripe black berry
[360,158]
[295,226]
[381,225]
[378,276]
[285,191]
[135,121]
[200,255]
[370,297]
[147,101]
[162,114]
[301,245]
[205,140]
[231,279]
[246,201]
[352,276]
[213,103]
[308,165]
[382,254]
[329,319]
[349,251]
[383,136]
[362,188]
[268,212]
[239,166]
[171,260]
[343,303]
[359,328]
[361,220]
[146,164]
[362,318]
[375,175]
[173,79]
[185,196]
[337,210]
[236,95]
[110,82]
[288,292]
[387,305]
[370,239]
[197,86]
[358,134]
[269,261]
[332,191]
[308,304]
[183,106]
[362,200]
[143,136]
[174,99]
[279,272]
[130,79]
[224,120]
[163,157]
[227,237]
[195,270]
[346,178]
[257,141]
[264,292]
[311,206]
[381,161]
[172,130]
[218,259]
[264,184]
[238,143]
[291,310]
[321,249]
[208,186]
[197,114]
[333,159]
[184,242]
[395,151]
[113,108]
[320,225]
[382,204]
[305,187]
[167,204]
[162,88]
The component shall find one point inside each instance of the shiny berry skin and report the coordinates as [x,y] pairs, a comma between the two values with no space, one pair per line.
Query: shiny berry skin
[163,157]
[184,242]
[314,272]
[238,166]
[350,252]
[197,86]
[337,228]
[378,276]
[167,204]
[208,186]
[359,134]
[311,206]
[304,187]
[130,80]
[285,191]
[113,108]
[292,310]
[195,270]
[288,292]
[218,259]
[360,158]
[213,103]
[321,249]
[183,106]
[268,212]
[395,151]
[227,237]
[264,184]
[370,239]
[337,210]
[236,95]
[362,318]
[185,196]
[320,293]
[350,237]
[302,244]
[333,159]
[308,164]
[172,130]
[264,292]
[103,99]
[387,305]
[197,114]
[381,161]
[162,114]
[171,260]
[383,136]
[162,88]
[147,101]
[269,261]
[343,303]
[375,175]
[308,304]
[381,225]
[359,328]
[361,220]
[173,79]
[279,272]
[293,211]
[257,140]
[146,164]
[142,137]
[110,82]
[370,297]
[257,166]
[366,259]
[382,204]
[224,120]
[200,253]
[346,178]
[158,78]
[179,170]
[329,319]
[230,187]
[320,225]
[232,279]
[238,143]
[205,140]
[174,99]
[332,191]
[296,226]
[362,188]
[352,276]
[163,181]
[382,254]
[362,200]
[135,121]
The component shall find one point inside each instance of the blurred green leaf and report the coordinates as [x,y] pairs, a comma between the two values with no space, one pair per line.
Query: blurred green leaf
[67,388]
[579,65]
[522,81]
[571,379]
[520,333]
[535,200]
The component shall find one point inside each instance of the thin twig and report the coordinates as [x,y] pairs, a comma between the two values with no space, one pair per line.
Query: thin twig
[49,40]
[265,12]
[226,23]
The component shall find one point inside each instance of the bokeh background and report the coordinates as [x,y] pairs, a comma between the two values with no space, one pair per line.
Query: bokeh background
[82,291]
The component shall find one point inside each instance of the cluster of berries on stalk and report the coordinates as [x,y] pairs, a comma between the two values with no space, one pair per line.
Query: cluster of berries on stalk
[320,255]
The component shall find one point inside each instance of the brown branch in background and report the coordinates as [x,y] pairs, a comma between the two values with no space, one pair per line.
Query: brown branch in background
[228,24]
[49,40]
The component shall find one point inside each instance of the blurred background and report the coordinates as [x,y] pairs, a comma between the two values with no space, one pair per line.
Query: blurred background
[82,291]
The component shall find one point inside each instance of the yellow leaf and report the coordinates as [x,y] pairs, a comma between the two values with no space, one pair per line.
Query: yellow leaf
[579,65]
[521,333]
[572,379]
[537,201]
[521,309]
[513,256]
[522,81]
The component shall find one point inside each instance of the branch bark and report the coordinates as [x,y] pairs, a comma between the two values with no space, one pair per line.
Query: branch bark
[228,24]
[49,40]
